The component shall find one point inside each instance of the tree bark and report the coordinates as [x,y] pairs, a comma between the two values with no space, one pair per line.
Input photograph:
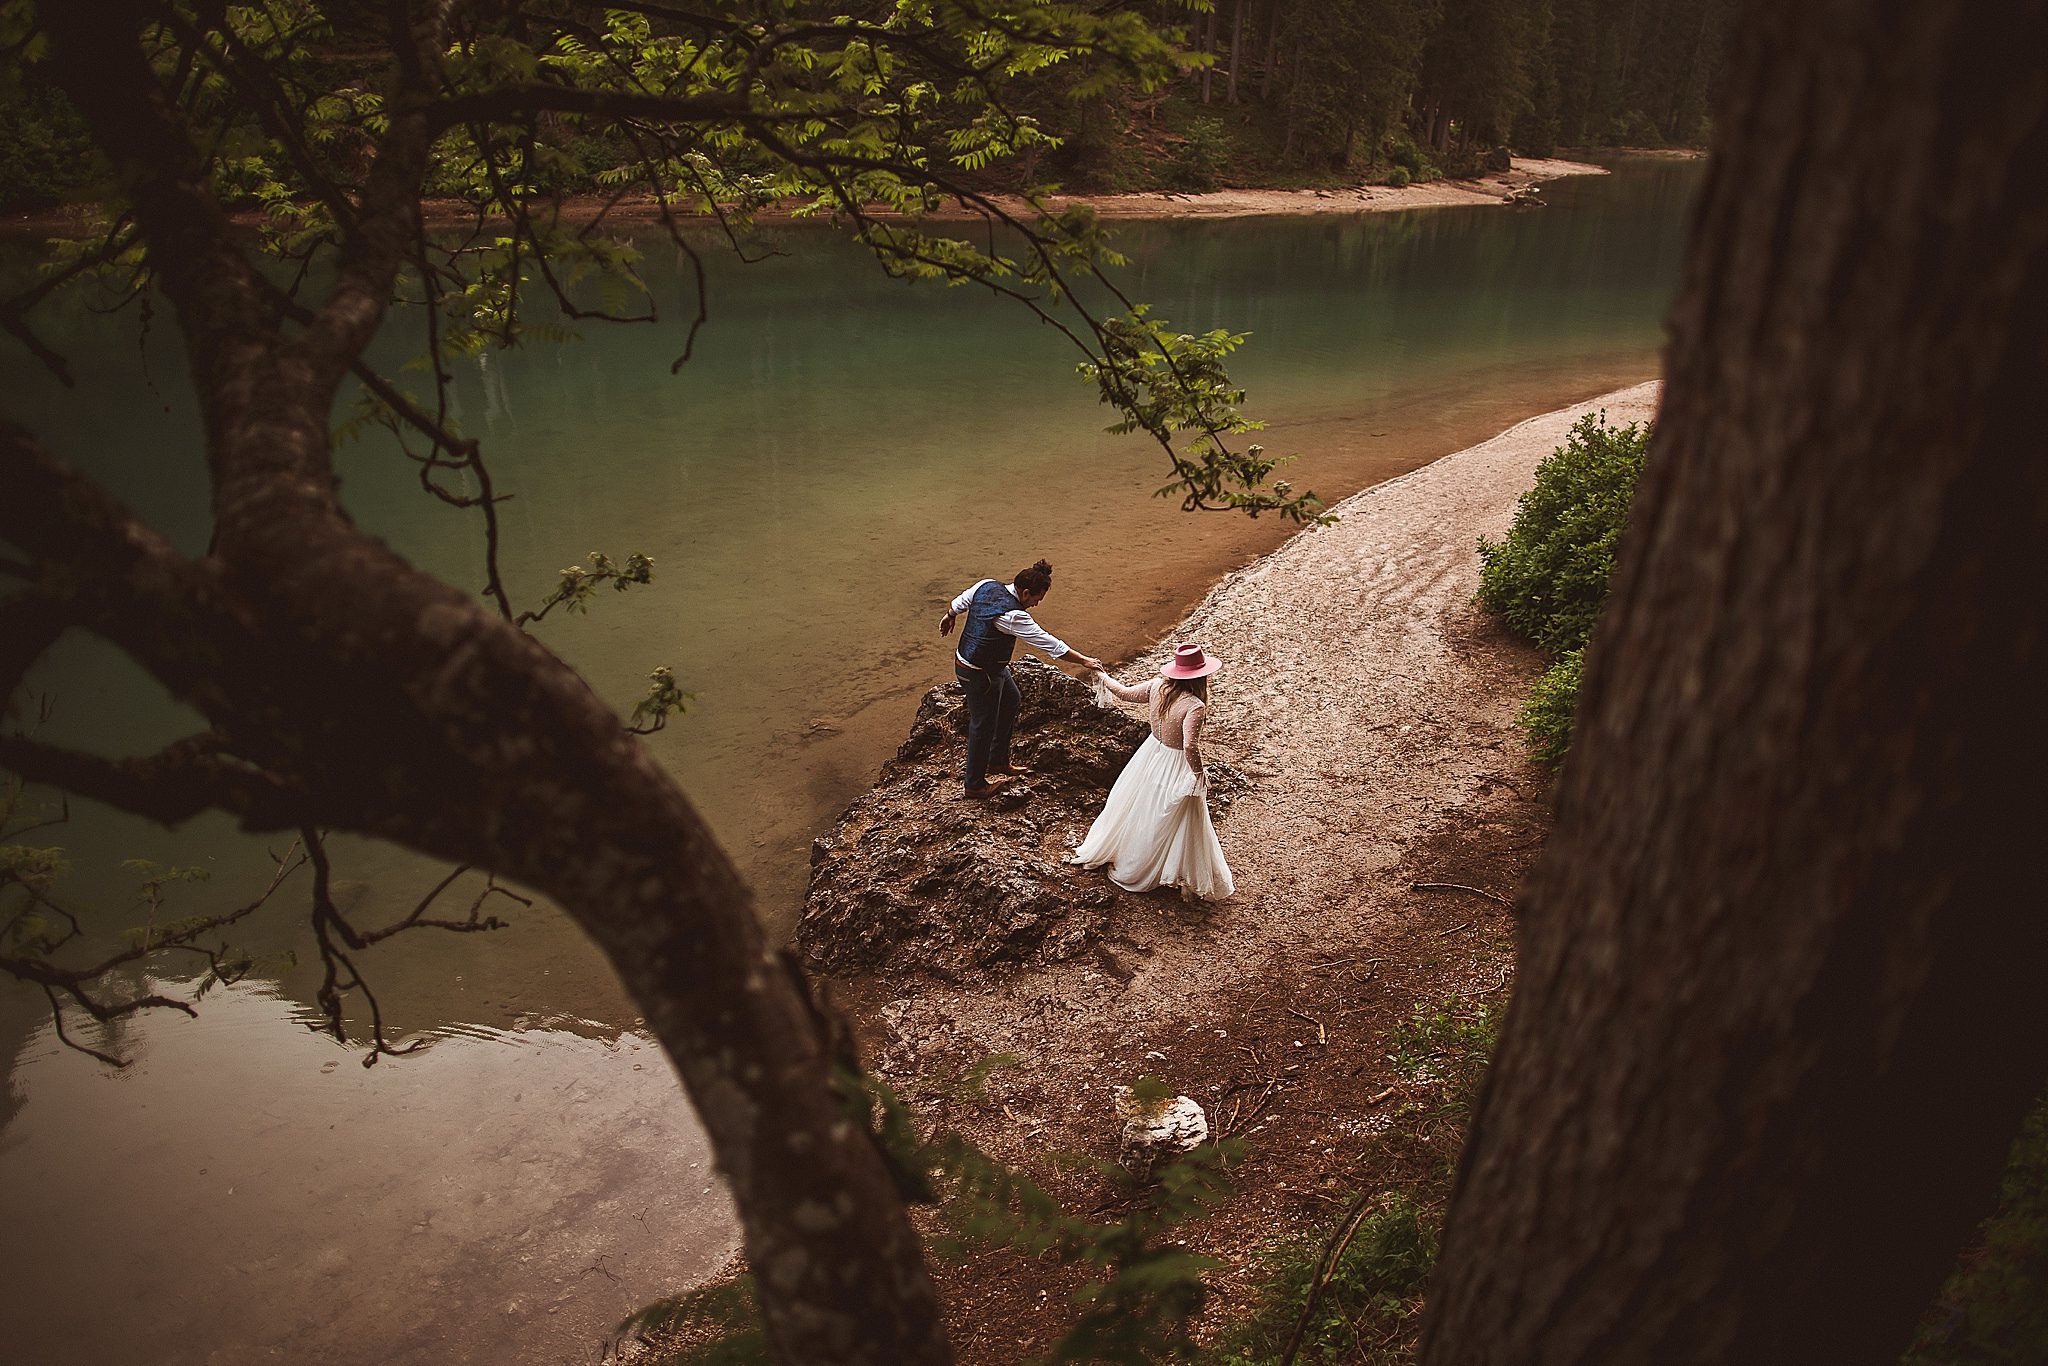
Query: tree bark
[1780,1010]
[1209,48]
[1236,51]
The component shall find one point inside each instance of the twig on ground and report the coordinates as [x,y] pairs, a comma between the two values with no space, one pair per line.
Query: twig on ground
[1326,1266]
[1322,1034]
[1498,984]
[1446,934]
[1380,1097]
[1494,897]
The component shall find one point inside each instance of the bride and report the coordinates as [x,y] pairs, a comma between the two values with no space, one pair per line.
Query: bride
[1155,829]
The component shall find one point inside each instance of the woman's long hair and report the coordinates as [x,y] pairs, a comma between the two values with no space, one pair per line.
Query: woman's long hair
[1175,686]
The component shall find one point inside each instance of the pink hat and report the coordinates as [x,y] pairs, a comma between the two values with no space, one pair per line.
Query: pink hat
[1189,662]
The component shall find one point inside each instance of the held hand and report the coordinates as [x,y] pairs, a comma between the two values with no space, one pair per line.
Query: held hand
[946,624]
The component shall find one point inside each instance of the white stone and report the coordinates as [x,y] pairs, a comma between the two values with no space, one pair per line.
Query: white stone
[1157,1131]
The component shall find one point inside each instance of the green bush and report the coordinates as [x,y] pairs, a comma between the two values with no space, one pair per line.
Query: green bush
[1402,152]
[46,154]
[1199,159]
[1549,577]
[1397,177]
[1634,129]
[1994,1309]
[1547,715]
[1370,1293]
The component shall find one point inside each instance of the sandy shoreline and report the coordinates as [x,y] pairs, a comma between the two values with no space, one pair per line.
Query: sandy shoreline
[1500,187]
[1373,706]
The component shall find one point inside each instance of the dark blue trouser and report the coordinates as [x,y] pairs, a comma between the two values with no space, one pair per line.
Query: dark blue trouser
[992,699]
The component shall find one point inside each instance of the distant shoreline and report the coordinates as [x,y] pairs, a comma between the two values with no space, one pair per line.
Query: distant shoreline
[1524,175]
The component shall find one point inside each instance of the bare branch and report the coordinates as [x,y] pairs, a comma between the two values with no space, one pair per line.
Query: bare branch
[341,976]
[171,786]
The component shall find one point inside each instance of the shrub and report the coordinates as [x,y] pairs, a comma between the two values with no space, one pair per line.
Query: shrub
[1549,577]
[1201,156]
[1374,1285]
[46,154]
[1398,177]
[1634,129]
[1547,716]
[1402,152]
[1993,1310]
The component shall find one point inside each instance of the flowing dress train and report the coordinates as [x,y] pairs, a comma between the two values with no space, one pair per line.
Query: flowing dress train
[1155,829]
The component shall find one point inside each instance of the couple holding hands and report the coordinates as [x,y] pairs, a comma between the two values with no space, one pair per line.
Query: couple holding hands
[1155,829]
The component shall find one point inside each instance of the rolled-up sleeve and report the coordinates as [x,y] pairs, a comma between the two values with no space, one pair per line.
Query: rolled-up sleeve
[966,599]
[1020,624]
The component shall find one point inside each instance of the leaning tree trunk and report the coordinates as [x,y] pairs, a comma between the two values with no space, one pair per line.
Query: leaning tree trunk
[344,689]
[1780,1008]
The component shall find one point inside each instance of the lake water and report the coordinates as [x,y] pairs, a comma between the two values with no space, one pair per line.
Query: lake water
[843,454]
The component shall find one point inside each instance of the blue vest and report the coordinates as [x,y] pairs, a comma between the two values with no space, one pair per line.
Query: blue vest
[981,644]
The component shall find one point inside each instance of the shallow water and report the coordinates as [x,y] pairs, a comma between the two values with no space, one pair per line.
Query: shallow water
[843,454]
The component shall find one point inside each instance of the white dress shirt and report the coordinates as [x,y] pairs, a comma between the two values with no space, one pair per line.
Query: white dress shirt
[1017,623]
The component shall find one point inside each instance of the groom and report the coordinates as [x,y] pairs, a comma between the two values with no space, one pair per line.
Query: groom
[998,616]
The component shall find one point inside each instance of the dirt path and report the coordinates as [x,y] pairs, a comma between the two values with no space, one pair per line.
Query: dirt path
[1373,707]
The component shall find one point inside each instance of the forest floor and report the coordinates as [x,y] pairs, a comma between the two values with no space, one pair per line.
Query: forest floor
[1372,705]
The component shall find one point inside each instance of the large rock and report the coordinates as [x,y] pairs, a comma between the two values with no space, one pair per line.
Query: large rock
[917,877]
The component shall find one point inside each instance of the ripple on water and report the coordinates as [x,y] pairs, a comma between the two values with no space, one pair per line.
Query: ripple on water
[501,1195]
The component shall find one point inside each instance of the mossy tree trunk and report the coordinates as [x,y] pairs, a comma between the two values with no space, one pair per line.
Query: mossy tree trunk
[1780,1008]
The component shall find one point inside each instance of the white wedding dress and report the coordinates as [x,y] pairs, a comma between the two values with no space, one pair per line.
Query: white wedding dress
[1155,829]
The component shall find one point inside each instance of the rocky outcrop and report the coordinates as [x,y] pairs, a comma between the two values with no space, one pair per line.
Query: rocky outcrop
[917,877]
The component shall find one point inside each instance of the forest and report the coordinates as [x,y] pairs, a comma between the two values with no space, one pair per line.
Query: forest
[1273,93]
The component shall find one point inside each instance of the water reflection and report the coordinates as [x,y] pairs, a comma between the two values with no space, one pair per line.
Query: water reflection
[247,1191]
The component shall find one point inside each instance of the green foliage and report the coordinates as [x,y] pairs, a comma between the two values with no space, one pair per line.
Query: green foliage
[1144,1289]
[1366,1294]
[1994,1309]
[664,699]
[717,1325]
[1446,1048]
[1199,159]
[580,582]
[46,154]
[1549,578]
[1547,716]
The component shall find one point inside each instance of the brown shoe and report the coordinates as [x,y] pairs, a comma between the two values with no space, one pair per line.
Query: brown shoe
[985,790]
[1009,770]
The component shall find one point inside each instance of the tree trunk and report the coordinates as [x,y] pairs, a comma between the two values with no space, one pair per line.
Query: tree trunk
[1272,54]
[1208,47]
[1780,1009]
[1289,145]
[1236,51]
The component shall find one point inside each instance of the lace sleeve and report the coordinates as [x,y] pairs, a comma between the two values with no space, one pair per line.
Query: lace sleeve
[1141,693]
[1191,734]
